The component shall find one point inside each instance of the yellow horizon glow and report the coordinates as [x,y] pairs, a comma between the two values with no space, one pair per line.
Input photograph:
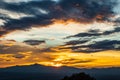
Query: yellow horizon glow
[102,59]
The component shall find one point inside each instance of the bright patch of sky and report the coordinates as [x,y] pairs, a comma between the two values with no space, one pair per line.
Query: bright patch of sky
[55,33]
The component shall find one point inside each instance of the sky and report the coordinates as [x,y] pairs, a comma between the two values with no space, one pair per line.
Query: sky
[75,33]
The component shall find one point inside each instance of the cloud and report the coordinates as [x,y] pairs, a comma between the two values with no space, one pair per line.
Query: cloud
[18,1]
[34,42]
[7,43]
[13,47]
[96,33]
[19,56]
[45,12]
[2,33]
[93,41]
[75,42]
[77,46]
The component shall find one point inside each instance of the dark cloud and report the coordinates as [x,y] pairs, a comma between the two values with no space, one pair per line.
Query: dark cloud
[88,9]
[95,47]
[72,61]
[19,56]
[44,12]
[12,40]
[96,33]
[34,42]
[87,41]
[14,49]
[107,44]
[2,33]
[75,42]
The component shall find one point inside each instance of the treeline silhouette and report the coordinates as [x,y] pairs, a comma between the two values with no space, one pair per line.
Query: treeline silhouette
[79,76]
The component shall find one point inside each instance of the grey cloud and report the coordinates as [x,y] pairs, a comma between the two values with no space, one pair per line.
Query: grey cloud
[85,11]
[96,33]
[34,42]
[19,56]
[95,47]
[88,41]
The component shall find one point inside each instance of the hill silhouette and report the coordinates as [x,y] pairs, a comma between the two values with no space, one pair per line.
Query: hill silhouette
[39,72]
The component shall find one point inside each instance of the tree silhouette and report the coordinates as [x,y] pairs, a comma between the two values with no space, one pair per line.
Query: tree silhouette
[79,76]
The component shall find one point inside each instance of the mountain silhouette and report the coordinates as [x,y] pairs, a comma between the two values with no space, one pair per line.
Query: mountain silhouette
[39,72]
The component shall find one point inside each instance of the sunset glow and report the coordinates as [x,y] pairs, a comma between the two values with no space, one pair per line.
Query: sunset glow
[57,36]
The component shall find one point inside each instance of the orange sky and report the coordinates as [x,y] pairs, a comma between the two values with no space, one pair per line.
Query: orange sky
[102,59]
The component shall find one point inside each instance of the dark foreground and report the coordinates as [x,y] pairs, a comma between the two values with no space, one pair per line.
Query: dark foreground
[38,72]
